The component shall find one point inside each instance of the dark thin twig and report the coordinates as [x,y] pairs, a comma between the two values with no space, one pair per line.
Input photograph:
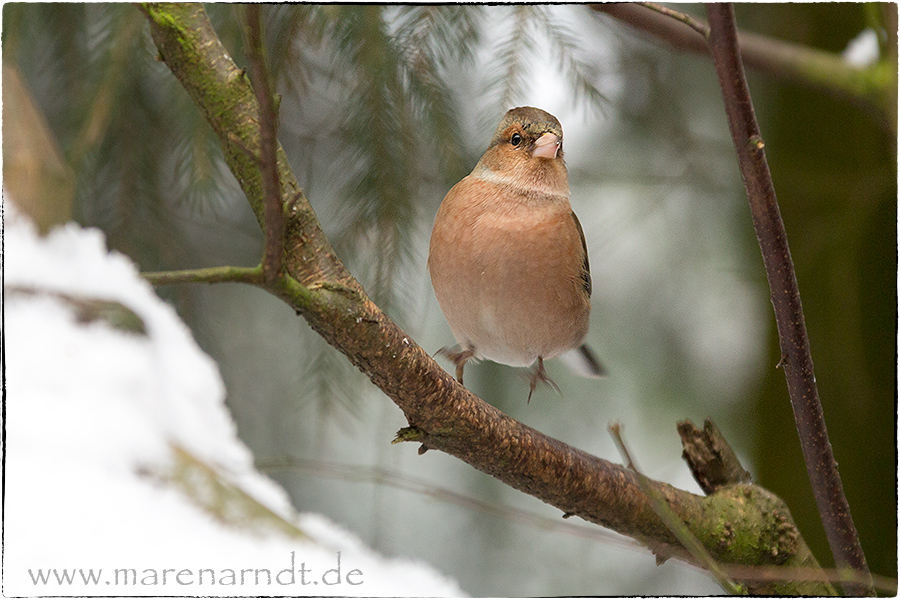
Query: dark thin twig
[268,122]
[685,18]
[796,359]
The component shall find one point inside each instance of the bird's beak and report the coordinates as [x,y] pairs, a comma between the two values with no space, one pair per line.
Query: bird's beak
[547,146]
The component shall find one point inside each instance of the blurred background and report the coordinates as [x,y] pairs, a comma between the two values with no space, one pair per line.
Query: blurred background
[383,109]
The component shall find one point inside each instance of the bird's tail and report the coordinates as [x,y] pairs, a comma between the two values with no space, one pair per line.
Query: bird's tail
[583,361]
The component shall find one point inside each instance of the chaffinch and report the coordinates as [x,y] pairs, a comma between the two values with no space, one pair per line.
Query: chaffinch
[508,259]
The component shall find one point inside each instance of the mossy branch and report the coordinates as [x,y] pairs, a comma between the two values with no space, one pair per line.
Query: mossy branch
[739,524]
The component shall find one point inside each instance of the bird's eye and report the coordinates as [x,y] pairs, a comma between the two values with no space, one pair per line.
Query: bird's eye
[516,139]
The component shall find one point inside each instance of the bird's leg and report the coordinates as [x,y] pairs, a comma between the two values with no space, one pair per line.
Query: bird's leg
[539,374]
[458,358]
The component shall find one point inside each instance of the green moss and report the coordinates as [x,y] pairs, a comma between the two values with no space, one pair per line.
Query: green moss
[749,526]
[166,19]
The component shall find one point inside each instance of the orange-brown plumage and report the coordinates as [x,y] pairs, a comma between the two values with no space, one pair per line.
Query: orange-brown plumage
[507,258]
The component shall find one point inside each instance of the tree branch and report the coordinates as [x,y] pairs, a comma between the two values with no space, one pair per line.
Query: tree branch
[711,459]
[273,212]
[796,359]
[253,276]
[873,87]
[442,414]
[696,25]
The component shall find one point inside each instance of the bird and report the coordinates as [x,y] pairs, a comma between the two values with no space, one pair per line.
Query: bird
[508,259]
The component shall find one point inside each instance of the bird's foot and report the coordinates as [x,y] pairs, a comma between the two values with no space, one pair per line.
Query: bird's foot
[539,374]
[458,357]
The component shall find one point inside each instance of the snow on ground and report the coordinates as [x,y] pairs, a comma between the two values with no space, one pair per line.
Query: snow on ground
[93,413]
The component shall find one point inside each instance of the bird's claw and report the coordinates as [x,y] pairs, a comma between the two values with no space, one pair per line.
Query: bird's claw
[458,357]
[539,374]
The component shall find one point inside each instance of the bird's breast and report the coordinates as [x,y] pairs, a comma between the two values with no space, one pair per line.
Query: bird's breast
[507,273]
